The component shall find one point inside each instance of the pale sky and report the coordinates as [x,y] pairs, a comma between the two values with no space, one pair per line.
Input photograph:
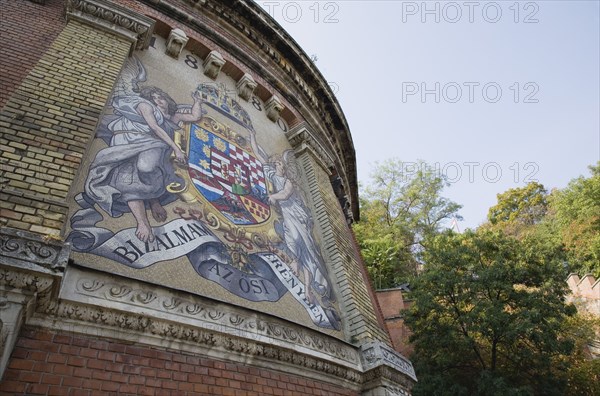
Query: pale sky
[511,89]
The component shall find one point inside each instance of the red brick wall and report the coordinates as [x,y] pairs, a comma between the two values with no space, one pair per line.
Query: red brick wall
[391,303]
[45,362]
[26,31]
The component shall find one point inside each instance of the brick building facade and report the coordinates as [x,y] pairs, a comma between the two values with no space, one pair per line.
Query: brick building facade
[177,184]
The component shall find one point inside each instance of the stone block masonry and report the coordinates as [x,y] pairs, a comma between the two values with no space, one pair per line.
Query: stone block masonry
[48,121]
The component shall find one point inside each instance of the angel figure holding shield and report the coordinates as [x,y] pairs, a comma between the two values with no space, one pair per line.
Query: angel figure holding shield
[297,225]
[132,173]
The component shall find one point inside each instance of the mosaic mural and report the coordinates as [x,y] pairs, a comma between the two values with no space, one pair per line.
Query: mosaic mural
[186,184]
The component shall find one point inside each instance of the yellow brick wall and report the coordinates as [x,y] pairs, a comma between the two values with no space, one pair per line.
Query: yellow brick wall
[46,125]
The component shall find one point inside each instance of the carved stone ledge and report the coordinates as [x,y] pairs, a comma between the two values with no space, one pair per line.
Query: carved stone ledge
[301,139]
[26,250]
[176,42]
[114,18]
[246,86]
[273,108]
[213,64]
[375,354]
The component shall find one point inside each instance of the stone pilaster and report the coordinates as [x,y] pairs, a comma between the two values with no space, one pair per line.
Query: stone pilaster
[13,308]
[386,372]
[45,128]
[30,271]
[358,310]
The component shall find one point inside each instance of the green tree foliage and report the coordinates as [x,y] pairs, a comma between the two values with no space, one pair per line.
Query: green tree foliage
[584,378]
[401,207]
[488,315]
[520,206]
[575,214]
[583,373]
[569,219]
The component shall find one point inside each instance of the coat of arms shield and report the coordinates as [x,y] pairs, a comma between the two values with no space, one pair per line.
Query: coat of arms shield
[224,170]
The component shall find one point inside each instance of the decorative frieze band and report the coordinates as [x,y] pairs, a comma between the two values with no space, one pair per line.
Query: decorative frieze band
[141,300]
[109,16]
[99,301]
[120,308]
[103,322]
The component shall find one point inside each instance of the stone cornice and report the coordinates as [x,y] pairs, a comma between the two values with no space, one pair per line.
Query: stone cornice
[119,20]
[29,251]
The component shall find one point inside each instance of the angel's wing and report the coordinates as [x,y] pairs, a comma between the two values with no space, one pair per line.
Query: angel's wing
[132,74]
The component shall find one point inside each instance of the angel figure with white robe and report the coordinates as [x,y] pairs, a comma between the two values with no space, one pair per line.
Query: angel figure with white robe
[132,173]
[297,224]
